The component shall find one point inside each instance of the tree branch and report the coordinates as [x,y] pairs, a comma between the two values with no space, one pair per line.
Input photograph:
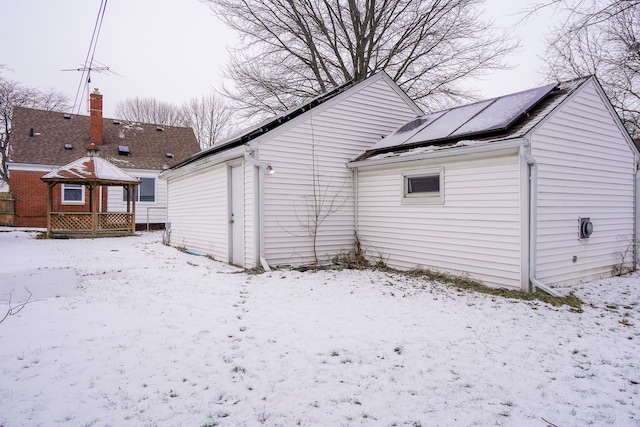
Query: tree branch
[13,310]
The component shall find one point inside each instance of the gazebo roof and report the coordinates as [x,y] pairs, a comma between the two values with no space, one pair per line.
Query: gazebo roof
[90,169]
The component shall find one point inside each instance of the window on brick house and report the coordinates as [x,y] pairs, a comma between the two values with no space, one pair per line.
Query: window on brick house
[72,194]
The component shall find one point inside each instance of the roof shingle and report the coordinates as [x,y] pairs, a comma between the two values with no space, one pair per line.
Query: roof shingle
[45,145]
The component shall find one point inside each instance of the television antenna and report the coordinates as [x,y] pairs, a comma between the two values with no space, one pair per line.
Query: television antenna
[86,70]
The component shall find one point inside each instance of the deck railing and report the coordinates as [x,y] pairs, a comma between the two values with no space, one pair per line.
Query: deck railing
[88,224]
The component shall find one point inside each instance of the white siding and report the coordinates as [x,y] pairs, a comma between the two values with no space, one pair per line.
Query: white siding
[331,136]
[476,231]
[198,211]
[585,169]
[251,237]
[146,212]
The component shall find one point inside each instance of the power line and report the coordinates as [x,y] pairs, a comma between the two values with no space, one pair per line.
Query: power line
[88,62]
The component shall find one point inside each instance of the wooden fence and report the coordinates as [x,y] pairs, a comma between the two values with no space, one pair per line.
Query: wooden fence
[7,209]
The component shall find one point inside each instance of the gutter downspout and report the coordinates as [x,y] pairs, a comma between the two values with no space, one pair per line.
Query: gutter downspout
[261,169]
[533,225]
[635,215]
[355,203]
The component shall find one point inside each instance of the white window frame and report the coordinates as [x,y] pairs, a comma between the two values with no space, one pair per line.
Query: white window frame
[136,192]
[72,187]
[432,197]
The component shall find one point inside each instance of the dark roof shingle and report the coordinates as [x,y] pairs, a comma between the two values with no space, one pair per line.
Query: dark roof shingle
[45,145]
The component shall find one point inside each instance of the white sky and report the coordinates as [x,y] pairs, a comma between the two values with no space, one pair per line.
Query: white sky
[174,50]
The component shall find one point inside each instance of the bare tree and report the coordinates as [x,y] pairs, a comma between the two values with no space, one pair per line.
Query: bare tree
[293,49]
[14,94]
[209,117]
[600,38]
[325,200]
[149,110]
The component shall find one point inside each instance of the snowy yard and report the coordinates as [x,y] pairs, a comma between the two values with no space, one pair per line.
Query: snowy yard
[128,332]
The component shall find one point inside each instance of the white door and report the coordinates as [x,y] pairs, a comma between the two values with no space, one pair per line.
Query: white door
[237,216]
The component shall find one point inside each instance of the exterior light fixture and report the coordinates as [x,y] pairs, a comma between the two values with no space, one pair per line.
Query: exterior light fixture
[270,170]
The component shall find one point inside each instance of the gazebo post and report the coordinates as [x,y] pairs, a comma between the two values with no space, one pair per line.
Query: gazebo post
[50,186]
[94,209]
[128,188]
[133,212]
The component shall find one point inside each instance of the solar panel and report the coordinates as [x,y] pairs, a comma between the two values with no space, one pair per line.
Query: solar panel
[474,119]
[504,111]
[407,131]
[449,122]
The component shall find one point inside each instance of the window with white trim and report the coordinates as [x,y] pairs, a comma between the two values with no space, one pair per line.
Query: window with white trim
[145,192]
[72,194]
[423,186]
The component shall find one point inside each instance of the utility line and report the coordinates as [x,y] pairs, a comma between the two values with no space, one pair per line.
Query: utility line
[88,62]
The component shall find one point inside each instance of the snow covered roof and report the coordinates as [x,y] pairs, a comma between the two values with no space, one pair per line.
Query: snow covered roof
[497,119]
[91,168]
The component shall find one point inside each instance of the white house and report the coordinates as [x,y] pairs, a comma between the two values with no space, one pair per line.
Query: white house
[223,201]
[534,189]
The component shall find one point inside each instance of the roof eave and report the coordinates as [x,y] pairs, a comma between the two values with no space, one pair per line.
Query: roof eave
[85,181]
[205,161]
[451,151]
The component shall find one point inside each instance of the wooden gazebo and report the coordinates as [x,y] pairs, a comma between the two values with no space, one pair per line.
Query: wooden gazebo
[92,172]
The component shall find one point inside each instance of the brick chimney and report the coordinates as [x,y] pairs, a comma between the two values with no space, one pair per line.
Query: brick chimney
[95,113]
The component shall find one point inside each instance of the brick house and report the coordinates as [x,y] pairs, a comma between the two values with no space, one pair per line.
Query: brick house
[42,141]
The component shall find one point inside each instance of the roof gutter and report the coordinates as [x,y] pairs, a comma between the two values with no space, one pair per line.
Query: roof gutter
[533,223]
[262,167]
[444,152]
[200,164]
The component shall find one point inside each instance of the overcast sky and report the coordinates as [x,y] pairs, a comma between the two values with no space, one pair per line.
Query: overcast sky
[174,50]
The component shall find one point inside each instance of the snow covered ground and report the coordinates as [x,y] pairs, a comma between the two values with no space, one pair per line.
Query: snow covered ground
[128,332]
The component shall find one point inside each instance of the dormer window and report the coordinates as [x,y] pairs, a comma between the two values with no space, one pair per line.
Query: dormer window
[123,150]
